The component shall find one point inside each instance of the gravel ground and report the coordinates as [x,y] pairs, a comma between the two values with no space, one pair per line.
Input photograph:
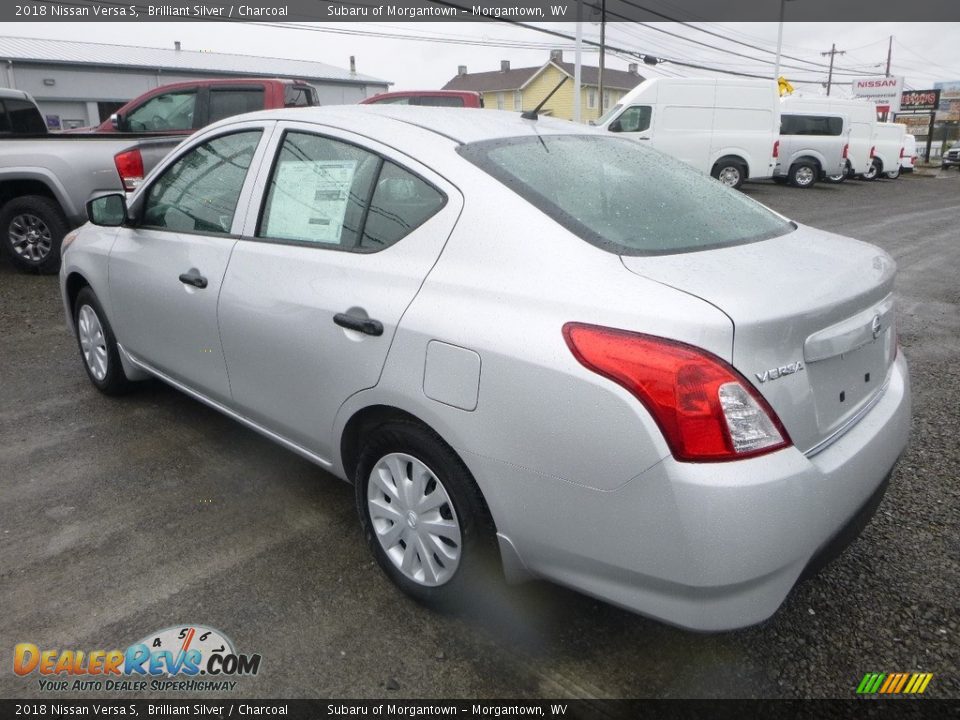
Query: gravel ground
[122,517]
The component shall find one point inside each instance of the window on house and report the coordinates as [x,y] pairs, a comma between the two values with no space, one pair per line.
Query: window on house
[606,98]
[592,98]
[500,101]
[517,100]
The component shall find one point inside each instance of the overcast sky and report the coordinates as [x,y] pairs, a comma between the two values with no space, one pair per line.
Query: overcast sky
[922,52]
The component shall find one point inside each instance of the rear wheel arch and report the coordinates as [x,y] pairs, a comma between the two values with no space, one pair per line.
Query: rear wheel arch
[366,420]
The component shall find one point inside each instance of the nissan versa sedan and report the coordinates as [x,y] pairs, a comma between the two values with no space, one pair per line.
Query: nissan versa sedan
[518,338]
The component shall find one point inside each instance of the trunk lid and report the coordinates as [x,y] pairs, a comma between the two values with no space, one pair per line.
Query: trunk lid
[813,321]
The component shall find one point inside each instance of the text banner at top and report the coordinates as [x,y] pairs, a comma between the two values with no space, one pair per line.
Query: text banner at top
[513,11]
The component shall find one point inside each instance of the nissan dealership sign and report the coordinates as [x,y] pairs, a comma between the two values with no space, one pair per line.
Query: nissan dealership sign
[884,91]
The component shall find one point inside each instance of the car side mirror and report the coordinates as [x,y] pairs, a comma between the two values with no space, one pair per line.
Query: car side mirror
[108,210]
[615,126]
[119,122]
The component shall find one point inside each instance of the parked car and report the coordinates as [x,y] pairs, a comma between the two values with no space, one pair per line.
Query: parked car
[909,159]
[727,128]
[812,146]
[888,151]
[862,116]
[431,98]
[951,158]
[529,336]
[184,107]
[46,179]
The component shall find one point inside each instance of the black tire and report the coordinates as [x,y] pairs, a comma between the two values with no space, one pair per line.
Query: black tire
[892,174]
[477,561]
[32,228]
[875,169]
[804,174]
[731,172]
[114,381]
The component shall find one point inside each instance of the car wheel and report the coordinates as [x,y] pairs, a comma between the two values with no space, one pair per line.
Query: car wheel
[893,174]
[730,173]
[98,346]
[422,514]
[872,172]
[33,228]
[803,175]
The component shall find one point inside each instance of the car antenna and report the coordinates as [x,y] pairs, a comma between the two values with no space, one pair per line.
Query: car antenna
[532,114]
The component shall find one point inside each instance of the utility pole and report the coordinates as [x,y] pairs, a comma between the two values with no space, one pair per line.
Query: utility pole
[577,62]
[603,47]
[832,52]
[889,54]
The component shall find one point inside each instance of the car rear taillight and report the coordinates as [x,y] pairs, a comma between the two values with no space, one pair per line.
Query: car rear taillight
[846,151]
[705,409]
[902,152]
[776,149]
[873,151]
[130,167]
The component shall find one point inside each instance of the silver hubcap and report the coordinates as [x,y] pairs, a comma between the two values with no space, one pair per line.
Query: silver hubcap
[836,178]
[413,519]
[729,176]
[92,342]
[30,237]
[804,176]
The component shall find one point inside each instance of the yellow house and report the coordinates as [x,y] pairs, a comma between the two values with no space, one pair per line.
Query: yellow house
[525,88]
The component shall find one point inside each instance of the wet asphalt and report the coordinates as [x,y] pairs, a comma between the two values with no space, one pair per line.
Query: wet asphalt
[119,517]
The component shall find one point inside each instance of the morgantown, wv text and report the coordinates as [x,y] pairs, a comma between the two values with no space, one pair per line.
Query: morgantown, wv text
[403,11]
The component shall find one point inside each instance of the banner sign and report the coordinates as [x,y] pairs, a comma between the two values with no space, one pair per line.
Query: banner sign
[884,91]
[919,100]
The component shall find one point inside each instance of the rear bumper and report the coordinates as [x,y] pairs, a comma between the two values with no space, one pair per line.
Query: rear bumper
[711,546]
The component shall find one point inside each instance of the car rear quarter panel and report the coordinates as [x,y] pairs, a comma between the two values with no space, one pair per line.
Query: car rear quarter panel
[506,282]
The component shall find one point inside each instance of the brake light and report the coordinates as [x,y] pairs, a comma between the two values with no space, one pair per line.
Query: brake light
[130,167]
[705,409]
[776,149]
[846,151]
[902,153]
[873,151]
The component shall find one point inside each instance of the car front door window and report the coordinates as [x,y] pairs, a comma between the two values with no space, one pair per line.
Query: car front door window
[199,192]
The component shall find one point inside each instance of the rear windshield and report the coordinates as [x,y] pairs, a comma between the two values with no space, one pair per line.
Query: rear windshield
[299,96]
[811,125]
[623,197]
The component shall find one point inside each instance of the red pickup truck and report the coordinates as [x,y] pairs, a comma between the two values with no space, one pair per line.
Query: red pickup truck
[184,107]
[433,98]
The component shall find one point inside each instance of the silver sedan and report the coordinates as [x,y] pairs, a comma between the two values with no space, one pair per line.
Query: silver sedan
[519,339]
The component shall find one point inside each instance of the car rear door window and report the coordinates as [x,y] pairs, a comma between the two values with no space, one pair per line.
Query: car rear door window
[199,192]
[299,96]
[227,102]
[441,101]
[811,125]
[329,193]
[169,111]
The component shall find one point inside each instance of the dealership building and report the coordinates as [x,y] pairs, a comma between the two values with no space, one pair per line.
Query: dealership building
[80,83]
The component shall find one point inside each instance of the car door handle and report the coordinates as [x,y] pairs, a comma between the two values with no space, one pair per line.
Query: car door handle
[360,324]
[193,278]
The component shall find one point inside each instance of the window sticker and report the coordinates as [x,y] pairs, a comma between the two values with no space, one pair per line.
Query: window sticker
[309,200]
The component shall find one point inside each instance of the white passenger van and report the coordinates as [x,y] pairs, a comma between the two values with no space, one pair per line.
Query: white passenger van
[889,140]
[862,115]
[725,127]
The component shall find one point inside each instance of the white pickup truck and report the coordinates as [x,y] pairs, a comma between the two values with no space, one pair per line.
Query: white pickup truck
[46,179]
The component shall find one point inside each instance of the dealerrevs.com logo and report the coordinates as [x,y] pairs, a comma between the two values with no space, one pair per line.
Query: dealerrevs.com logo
[179,658]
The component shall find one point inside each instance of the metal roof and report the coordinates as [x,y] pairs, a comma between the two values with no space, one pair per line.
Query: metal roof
[71,52]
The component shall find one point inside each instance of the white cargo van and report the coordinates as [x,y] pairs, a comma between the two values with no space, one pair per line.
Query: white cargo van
[888,150]
[862,115]
[812,146]
[725,127]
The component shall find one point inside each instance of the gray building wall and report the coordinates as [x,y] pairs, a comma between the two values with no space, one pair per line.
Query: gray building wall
[76,90]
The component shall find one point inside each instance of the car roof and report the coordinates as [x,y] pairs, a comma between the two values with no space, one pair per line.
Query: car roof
[11,94]
[456,124]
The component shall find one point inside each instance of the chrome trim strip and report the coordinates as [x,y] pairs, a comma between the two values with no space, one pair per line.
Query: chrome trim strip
[289,444]
[836,434]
